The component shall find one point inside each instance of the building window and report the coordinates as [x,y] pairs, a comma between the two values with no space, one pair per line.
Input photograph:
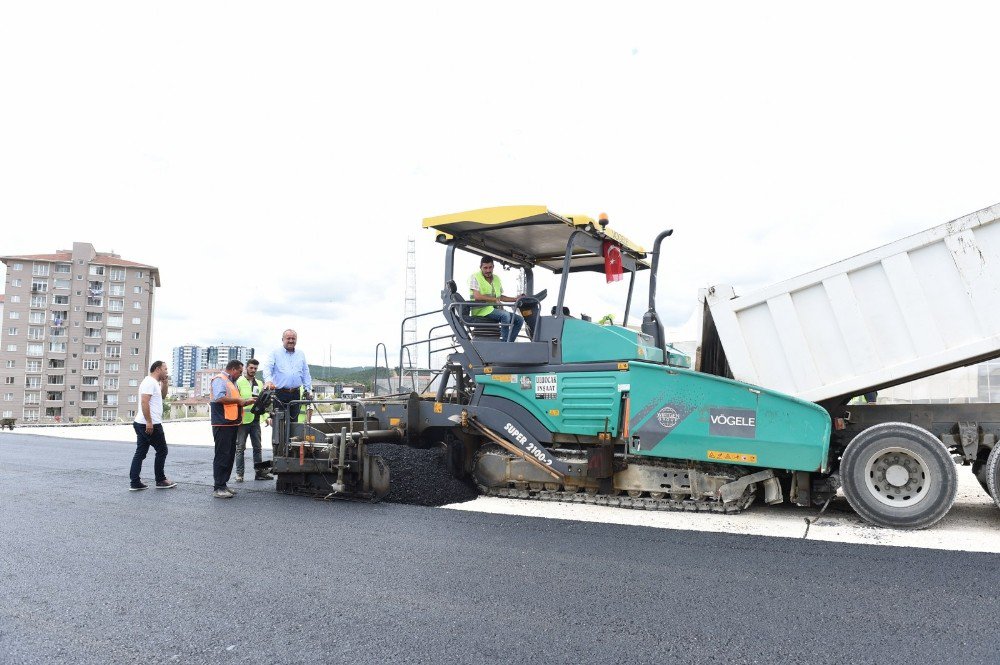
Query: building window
[59,317]
[94,317]
[110,399]
[114,336]
[56,379]
[133,382]
[31,415]
[15,282]
[139,274]
[117,275]
[88,396]
[134,367]
[60,300]
[136,304]
[53,412]
[8,397]
[90,381]
[112,367]
[91,348]
[54,396]
[60,284]
[95,288]
[32,398]
[33,382]
[95,301]
[136,320]
[33,366]
[38,286]
[16,266]
[40,270]
[8,414]
[88,413]
[92,365]
[13,349]
[38,301]
[56,363]
[15,298]
[15,315]
[9,364]
[131,414]
[135,350]
[63,268]
[135,335]
[115,320]
[116,305]
[94,333]
[57,332]
[57,347]
[8,380]
[12,331]
[136,289]
[109,414]
[113,352]
[133,399]
[97,270]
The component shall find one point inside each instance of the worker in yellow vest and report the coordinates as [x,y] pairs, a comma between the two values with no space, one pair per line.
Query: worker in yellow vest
[305,415]
[485,287]
[250,387]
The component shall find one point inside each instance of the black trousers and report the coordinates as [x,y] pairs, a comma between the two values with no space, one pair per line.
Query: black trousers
[286,395]
[225,453]
[143,442]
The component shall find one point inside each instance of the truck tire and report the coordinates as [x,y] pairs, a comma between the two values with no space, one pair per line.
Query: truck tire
[993,475]
[898,475]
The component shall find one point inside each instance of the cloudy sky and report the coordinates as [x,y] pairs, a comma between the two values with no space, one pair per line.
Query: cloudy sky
[272,159]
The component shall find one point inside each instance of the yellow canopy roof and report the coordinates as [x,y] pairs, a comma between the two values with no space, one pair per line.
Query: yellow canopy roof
[531,234]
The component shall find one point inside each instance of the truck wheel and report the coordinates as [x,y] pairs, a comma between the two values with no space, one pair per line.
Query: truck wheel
[898,475]
[993,475]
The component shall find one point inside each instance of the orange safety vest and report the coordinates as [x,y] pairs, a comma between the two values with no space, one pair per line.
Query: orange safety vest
[227,414]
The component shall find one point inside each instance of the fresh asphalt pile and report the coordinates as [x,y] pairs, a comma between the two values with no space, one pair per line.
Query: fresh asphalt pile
[421,477]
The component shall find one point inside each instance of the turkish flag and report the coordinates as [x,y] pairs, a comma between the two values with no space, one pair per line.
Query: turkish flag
[612,262]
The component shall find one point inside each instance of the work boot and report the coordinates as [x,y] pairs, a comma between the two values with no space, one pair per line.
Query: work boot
[239,477]
[263,475]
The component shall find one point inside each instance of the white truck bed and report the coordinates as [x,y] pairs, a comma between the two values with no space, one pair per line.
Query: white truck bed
[915,307]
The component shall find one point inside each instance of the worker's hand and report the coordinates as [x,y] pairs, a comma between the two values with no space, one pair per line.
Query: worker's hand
[268,422]
[149,428]
[248,402]
[307,395]
[269,385]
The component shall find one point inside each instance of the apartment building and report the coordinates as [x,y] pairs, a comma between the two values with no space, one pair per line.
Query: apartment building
[188,359]
[76,333]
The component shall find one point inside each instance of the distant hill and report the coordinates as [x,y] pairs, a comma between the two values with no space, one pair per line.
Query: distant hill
[343,374]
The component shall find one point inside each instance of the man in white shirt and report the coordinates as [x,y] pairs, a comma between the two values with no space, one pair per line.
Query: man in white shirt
[149,428]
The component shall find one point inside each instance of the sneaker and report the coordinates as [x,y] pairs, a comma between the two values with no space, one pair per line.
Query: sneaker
[239,477]
[264,476]
[222,494]
[138,486]
[165,484]
[232,492]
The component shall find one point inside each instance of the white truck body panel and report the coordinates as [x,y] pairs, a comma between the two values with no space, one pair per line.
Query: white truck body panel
[915,307]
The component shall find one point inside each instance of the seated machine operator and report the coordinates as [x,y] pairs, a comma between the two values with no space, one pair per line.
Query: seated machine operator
[486,288]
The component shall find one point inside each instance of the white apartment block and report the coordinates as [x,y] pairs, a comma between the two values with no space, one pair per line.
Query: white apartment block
[76,334]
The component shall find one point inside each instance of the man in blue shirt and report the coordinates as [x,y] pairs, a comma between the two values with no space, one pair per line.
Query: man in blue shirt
[287,371]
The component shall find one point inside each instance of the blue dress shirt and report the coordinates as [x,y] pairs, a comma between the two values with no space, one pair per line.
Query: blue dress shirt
[289,369]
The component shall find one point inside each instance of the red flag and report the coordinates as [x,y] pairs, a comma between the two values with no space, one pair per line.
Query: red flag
[612,262]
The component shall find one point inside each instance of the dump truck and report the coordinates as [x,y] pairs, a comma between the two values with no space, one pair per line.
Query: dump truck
[610,414]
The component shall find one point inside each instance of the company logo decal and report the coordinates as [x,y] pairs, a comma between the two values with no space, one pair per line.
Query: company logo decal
[668,417]
[733,422]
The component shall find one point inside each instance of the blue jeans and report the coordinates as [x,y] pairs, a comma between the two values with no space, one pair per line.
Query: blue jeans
[508,333]
[242,432]
[142,443]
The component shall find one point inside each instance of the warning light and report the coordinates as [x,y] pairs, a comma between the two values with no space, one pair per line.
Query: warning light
[602,219]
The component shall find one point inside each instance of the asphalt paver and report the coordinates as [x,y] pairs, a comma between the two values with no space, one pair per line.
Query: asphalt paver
[93,573]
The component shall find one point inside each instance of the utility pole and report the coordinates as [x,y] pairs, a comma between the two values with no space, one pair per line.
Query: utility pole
[410,307]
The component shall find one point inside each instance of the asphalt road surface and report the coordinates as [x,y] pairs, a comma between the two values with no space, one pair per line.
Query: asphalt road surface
[93,573]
